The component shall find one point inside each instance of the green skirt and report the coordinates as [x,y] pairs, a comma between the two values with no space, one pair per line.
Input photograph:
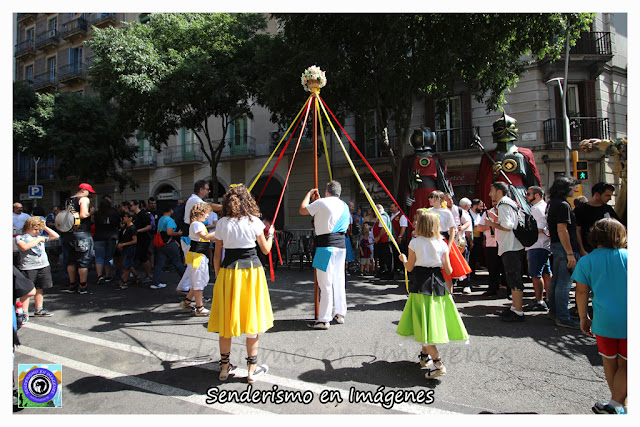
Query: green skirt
[432,320]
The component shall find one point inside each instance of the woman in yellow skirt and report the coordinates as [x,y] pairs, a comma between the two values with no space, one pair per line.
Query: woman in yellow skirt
[241,303]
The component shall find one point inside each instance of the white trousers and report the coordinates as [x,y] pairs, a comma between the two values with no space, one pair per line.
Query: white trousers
[183,285]
[331,285]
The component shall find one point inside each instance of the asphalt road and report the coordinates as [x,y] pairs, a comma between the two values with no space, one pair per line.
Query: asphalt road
[137,352]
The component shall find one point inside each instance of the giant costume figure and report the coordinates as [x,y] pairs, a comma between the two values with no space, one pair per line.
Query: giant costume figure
[517,163]
[420,174]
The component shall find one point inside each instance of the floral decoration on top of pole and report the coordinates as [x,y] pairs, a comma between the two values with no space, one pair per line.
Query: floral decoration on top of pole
[313,79]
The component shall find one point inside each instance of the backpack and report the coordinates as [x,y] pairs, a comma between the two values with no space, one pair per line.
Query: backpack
[152,219]
[527,230]
[178,217]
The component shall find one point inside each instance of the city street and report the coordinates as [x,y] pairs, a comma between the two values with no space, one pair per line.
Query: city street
[137,352]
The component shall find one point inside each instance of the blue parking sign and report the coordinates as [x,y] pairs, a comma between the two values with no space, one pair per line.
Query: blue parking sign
[35,191]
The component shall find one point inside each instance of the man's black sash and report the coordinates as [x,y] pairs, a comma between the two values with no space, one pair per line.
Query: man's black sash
[333,240]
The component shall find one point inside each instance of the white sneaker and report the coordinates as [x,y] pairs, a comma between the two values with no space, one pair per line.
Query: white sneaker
[466,290]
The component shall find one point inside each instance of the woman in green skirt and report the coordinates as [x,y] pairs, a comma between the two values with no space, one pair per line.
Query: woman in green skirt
[430,314]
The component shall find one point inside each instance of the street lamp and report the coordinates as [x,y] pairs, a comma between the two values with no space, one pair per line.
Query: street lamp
[567,131]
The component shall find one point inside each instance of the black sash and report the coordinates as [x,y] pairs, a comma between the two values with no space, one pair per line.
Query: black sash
[199,247]
[241,258]
[428,281]
[333,240]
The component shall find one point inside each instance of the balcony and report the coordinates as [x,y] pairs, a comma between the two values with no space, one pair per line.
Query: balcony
[45,82]
[26,18]
[22,176]
[593,43]
[72,73]
[240,146]
[76,28]
[25,50]
[455,139]
[146,159]
[47,40]
[183,154]
[581,128]
[102,20]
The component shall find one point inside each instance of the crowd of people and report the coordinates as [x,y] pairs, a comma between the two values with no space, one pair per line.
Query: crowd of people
[443,245]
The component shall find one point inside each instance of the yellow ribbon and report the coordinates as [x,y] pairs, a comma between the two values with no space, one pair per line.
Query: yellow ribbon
[278,146]
[324,141]
[366,193]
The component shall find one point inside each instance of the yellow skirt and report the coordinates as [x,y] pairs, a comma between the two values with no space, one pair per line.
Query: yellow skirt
[241,303]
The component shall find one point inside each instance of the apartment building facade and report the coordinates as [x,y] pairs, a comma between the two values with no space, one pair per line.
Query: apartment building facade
[596,102]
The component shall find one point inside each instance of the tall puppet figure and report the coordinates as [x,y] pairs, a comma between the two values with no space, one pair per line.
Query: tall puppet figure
[421,173]
[517,163]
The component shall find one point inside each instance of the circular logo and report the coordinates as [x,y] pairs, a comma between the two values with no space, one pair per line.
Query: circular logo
[509,165]
[39,385]
[424,162]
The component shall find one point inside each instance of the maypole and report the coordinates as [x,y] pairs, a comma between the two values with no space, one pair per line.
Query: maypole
[313,79]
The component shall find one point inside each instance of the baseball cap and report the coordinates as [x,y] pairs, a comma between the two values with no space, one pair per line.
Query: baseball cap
[85,186]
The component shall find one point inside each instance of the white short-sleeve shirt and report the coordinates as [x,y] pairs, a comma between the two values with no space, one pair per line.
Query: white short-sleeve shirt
[194,228]
[326,212]
[239,233]
[428,250]
[446,219]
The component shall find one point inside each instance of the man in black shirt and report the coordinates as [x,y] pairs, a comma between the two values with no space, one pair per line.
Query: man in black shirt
[596,208]
[143,225]
[565,249]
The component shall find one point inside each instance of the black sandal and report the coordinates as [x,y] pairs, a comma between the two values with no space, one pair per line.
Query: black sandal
[424,359]
[258,371]
[224,372]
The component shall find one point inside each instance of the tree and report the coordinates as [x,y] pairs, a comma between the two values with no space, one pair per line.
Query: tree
[178,70]
[82,132]
[382,62]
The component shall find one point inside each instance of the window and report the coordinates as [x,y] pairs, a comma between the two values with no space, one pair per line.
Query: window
[573,101]
[52,68]
[53,24]
[28,74]
[449,125]
[187,143]
[75,58]
[237,134]
[31,32]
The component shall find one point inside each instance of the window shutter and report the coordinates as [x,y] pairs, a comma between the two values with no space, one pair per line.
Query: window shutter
[589,96]
[430,112]
[465,106]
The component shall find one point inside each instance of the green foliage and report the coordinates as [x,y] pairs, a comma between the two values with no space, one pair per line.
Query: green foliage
[82,132]
[178,70]
[383,61]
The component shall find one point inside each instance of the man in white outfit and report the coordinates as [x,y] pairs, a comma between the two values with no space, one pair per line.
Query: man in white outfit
[200,191]
[331,220]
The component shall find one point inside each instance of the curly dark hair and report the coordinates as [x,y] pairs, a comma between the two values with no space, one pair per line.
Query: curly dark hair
[238,202]
[562,186]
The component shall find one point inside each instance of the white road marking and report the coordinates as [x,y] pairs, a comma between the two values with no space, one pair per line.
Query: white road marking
[410,408]
[150,386]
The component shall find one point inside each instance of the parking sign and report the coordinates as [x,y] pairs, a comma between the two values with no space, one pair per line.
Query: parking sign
[35,191]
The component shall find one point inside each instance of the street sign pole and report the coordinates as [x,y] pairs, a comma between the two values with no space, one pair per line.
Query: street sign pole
[36,160]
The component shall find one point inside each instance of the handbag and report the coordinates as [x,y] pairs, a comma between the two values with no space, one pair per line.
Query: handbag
[158,241]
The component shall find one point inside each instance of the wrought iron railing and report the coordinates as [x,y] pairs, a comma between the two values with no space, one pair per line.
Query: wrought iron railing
[77,70]
[580,128]
[182,153]
[49,36]
[44,79]
[592,43]
[241,144]
[455,139]
[77,24]
[27,46]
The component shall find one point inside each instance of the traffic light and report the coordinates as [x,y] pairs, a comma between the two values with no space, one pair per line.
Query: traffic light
[582,170]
